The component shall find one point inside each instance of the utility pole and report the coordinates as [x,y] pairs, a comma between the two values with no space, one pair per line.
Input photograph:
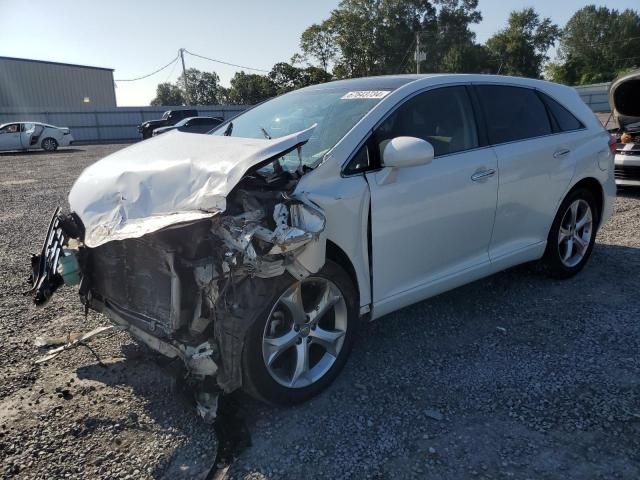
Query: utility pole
[184,76]
[417,53]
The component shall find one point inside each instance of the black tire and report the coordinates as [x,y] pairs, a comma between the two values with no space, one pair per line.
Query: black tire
[552,260]
[49,144]
[258,382]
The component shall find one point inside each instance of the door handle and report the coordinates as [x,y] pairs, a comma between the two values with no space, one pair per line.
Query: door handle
[482,174]
[561,153]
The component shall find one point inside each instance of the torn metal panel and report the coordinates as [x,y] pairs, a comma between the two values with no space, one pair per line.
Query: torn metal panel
[168,180]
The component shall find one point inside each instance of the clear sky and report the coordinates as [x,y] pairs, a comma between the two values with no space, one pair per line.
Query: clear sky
[137,37]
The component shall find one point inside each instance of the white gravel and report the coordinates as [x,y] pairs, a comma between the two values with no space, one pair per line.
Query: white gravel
[514,376]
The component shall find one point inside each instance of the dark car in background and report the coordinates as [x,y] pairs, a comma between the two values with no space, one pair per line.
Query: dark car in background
[192,125]
[170,117]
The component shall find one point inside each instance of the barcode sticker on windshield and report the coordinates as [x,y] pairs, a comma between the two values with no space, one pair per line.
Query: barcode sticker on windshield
[364,94]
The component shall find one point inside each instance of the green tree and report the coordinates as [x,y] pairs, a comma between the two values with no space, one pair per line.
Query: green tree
[168,94]
[468,58]
[596,45]
[448,41]
[249,89]
[203,87]
[318,41]
[373,37]
[521,48]
[287,77]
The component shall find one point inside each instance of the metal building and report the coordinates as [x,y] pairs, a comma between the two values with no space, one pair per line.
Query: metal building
[28,84]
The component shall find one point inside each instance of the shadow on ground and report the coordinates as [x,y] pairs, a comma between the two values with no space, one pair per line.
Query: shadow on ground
[60,151]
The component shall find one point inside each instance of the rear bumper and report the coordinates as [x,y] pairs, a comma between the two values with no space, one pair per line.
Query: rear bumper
[66,140]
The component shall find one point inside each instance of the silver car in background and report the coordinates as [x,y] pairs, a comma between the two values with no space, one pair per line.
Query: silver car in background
[33,135]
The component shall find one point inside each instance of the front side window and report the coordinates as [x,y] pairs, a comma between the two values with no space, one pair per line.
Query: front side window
[513,113]
[443,117]
[334,111]
[13,128]
[360,162]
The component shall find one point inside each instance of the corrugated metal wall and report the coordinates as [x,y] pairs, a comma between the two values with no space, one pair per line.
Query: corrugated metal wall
[109,125]
[44,85]
[596,96]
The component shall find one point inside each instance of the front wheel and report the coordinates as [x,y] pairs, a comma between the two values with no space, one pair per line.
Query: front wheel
[302,340]
[572,235]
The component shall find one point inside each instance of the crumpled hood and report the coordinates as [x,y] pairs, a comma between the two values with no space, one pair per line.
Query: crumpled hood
[624,98]
[172,178]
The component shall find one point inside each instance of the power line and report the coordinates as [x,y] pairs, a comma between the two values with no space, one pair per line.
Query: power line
[175,62]
[148,75]
[226,63]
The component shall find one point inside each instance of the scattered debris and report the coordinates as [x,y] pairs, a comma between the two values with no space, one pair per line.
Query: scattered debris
[54,341]
[79,341]
[434,414]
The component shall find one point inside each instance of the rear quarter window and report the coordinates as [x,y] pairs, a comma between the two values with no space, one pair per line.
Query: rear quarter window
[565,120]
[512,113]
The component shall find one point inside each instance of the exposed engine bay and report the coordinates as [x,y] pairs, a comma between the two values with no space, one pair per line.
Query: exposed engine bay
[185,289]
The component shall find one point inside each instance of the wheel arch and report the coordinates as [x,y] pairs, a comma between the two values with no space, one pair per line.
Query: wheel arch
[596,189]
[337,255]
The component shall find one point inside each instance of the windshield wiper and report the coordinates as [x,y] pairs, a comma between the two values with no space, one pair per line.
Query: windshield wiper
[228,130]
[265,133]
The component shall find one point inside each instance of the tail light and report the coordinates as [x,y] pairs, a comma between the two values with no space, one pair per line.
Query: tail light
[612,144]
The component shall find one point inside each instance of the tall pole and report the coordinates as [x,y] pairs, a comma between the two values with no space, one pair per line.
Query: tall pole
[184,76]
[418,52]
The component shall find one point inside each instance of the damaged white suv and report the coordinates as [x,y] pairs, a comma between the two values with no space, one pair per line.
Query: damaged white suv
[253,253]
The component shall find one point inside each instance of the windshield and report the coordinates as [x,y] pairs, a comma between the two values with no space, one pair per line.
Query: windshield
[334,111]
[182,122]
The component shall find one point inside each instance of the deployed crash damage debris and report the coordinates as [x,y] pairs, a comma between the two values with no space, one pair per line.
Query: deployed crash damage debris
[172,251]
[71,343]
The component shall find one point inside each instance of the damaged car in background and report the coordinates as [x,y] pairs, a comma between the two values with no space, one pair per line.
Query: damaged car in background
[624,100]
[253,254]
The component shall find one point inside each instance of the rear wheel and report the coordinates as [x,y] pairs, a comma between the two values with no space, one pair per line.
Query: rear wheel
[49,144]
[303,338]
[572,235]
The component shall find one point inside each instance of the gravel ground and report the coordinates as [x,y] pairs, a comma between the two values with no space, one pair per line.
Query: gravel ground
[514,376]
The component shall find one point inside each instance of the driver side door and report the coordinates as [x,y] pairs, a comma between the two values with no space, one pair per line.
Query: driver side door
[10,137]
[431,224]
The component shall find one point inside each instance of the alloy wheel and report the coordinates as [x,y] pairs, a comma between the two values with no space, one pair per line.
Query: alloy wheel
[49,144]
[574,235]
[305,332]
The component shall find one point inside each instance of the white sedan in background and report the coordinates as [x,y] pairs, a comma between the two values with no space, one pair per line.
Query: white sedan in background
[30,135]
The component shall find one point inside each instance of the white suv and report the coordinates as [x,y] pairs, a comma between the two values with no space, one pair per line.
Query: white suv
[254,253]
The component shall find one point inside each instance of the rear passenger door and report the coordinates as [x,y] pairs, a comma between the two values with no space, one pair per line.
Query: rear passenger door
[535,165]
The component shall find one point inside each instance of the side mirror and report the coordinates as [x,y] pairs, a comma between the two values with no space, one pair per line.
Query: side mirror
[402,152]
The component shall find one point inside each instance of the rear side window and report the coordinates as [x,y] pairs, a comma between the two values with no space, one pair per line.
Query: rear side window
[513,113]
[564,118]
